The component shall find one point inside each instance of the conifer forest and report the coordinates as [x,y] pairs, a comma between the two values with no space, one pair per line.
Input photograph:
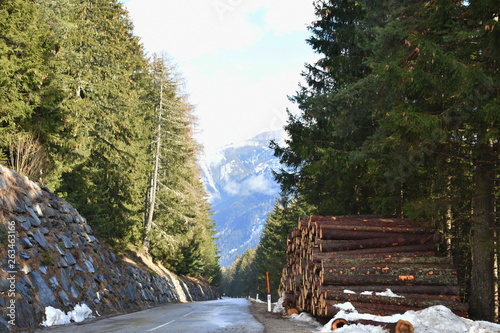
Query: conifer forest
[87,113]
[399,116]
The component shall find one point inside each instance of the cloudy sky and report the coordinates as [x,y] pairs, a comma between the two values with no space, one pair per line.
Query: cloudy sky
[239,59]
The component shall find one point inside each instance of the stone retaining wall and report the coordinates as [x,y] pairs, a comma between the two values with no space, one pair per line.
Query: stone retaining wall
[50,257]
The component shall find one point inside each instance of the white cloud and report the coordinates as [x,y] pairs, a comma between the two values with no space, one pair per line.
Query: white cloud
[260,184]
[257,184]
[232,188]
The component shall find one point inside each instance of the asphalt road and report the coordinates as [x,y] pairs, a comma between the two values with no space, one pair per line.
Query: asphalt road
[225,315]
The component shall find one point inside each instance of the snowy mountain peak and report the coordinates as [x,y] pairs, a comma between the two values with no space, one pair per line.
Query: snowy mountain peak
[242,191]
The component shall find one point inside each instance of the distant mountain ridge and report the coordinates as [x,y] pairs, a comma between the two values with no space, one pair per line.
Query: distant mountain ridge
[242,191]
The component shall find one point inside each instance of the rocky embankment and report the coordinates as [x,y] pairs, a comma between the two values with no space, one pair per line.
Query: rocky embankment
[50,258]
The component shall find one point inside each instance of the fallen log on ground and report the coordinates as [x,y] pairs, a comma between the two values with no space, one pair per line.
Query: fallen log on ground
[401,326]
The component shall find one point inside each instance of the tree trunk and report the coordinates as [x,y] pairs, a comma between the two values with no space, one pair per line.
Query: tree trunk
[148,219]
[482,296]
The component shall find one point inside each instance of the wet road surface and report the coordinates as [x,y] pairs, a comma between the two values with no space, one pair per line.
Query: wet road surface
[225,315]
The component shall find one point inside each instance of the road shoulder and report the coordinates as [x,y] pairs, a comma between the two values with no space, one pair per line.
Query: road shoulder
[277,323]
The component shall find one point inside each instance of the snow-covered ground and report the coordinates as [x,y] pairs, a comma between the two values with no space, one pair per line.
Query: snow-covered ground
[436,319]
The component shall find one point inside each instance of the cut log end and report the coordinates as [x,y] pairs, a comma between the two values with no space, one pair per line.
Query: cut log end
[339,323]
[292,311]
[403,326]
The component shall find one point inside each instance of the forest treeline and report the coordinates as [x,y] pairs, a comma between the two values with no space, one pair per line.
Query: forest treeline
[87,113]
[399,116]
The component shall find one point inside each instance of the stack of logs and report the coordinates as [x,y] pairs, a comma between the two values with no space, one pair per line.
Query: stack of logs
[333,260]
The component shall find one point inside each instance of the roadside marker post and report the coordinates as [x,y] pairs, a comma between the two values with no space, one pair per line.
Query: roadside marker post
[268,293]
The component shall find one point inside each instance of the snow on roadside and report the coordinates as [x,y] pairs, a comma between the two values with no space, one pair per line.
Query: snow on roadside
[305,317]
[278,308]
[57,317]
[436,319]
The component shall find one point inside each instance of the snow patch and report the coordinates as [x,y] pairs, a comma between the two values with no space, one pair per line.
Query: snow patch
[304,317]
[278,308]
[58,317]
[387,292]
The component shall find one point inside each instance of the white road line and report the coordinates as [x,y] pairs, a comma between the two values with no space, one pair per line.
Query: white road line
[188,314]
[154,329]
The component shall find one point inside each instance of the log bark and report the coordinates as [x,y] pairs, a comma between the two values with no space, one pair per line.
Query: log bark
[375,256]
[407,300]
[395,260]
[398,289]
[330,310]
[380,276]
[416,250]
[339,234]
[401,326]
[328,231]
[373,219]
[408,239]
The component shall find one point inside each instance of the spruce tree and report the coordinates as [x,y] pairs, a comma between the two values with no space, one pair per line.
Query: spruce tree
[439,124]
[335,114]
[102,145]
[270,254]
[26,51]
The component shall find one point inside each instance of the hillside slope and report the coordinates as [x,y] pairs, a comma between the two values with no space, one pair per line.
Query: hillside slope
[53,259]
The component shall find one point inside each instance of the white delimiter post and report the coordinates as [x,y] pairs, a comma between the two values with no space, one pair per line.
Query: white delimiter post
[268,293]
